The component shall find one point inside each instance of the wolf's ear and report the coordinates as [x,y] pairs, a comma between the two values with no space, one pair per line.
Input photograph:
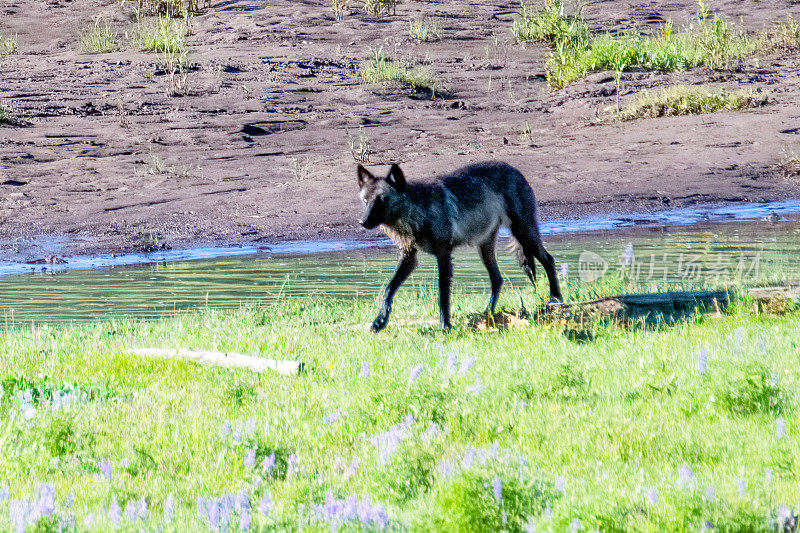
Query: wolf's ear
[364,176]
[396,178]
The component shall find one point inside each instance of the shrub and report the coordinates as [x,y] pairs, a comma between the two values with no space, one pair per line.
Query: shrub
[8,45]
[100,38]
[424,31]
[577,52]
[382,69]
[467,503]
[166,36]
[683,100]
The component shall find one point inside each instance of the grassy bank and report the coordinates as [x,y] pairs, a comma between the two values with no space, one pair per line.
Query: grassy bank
[679,100]
[578,51]
[413,429]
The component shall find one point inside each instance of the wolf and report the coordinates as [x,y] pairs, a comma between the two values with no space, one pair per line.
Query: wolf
[467,207]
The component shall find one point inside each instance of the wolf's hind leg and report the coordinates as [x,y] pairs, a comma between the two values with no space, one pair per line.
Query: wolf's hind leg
[490,261]
[408,262]
[532,247]
[549,265]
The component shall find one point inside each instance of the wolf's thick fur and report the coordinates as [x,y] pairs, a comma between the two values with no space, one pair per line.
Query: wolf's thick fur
[465,207]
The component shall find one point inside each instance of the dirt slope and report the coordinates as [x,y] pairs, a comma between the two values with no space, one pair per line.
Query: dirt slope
[258,151]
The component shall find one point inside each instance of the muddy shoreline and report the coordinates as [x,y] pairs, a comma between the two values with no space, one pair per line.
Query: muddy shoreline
[100,159]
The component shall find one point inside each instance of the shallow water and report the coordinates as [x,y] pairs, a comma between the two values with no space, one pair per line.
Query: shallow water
[710,254]
[702,214]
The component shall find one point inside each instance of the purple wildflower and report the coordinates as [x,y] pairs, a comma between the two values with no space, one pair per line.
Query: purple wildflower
[561,484]
[250,458]
[19,514]
[225,430]
[105,468]
[333,417]
[575,525]
[737,337]
[266,504]
[785,518]
[652,495]
[88,522]
[244,519]
[548,512]
[169,509]
[414,374]
[477,387]
[684,474]
[341,511]
[352,468]
[130,511]
[291,464]
[494,449]
[213,514]
[125,463]
[530,527]
[564,270]
[5,492]
[268,463]
[237,436]
[432,432]
[452,362]
[366,370]
[446,469]
[469,457]
[742,488]
[251,426]
[46,505]
[780,428]
[115,512]
[202,506]
[762,345]
[497,489]
[243,507]
[388,441]
[466,365]
[768,476]
[711,493]
[143,509]
[702,360]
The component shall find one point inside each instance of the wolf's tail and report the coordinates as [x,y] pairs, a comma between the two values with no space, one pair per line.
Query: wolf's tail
[530,268]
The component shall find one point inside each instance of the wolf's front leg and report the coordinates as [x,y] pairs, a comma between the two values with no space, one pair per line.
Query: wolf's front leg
[408,262]
[445,278]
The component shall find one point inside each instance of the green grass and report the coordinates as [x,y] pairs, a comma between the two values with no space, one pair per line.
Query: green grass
[5,114]
[783,36]
[378,7]
[166,35]
[424,31]
[685,100]
[381,69]
[576,51]
[8,45]
[100,38]
[596,431]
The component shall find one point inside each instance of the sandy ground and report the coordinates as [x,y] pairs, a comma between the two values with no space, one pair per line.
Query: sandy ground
[102,159]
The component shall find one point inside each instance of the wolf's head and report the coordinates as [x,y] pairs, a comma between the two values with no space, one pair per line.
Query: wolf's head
[381,197]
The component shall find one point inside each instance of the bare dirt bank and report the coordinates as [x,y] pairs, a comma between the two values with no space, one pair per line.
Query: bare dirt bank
[102,159]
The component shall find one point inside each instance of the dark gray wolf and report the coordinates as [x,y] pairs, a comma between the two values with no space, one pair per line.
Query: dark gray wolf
[465,207]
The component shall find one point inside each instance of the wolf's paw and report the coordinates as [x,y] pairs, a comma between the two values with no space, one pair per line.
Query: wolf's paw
[556,299]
